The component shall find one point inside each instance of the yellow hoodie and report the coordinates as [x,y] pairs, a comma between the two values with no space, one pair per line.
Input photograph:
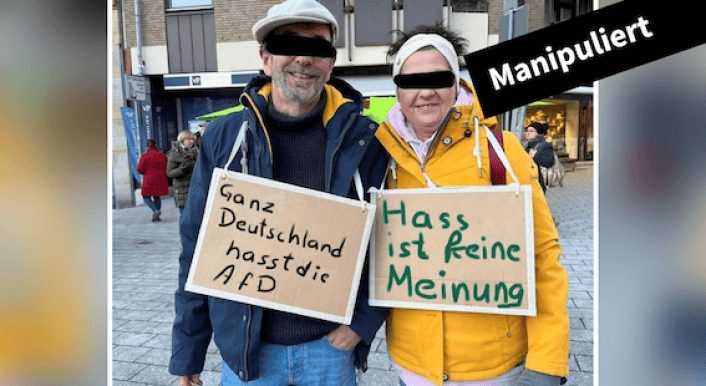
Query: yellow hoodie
[457,346]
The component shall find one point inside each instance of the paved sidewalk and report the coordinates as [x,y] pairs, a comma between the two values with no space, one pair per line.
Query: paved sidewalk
[145,267]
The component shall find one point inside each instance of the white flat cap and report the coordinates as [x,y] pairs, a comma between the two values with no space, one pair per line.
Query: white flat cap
[291,12]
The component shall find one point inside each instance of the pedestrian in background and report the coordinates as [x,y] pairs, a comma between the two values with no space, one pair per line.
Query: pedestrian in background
[305,128]
[153,167]
[434,135]
[182,157]
[538,148]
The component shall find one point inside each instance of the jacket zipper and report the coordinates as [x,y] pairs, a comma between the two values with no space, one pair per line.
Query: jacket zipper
[247,344]
[259,155]
[439,133]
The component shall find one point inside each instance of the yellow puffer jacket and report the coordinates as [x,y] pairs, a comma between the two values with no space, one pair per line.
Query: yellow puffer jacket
[456,346]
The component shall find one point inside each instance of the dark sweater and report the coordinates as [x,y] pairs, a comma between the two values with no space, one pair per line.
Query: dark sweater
[298,148]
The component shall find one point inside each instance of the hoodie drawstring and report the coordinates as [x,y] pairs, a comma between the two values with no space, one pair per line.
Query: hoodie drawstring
[476,149]
[393,170]
[430,183]
[242,145]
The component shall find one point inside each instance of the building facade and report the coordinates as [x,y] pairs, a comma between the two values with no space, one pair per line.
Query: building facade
[195,56]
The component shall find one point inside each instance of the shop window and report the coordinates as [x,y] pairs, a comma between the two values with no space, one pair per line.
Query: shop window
[567,9]
[373,23]
[337,9]
[554,113]
[588,155]
[422,12]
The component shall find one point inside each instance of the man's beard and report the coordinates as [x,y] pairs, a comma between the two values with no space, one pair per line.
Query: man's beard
[302,93]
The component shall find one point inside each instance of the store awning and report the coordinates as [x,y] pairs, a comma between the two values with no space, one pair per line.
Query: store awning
[217,114]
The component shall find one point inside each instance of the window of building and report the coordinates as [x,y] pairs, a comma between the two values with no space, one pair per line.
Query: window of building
[189,3]
[469,5]
[566,9]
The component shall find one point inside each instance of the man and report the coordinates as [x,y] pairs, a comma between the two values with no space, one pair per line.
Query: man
[301,131]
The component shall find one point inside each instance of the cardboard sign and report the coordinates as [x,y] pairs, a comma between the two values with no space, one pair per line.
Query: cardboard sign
[279,246]
[455,249]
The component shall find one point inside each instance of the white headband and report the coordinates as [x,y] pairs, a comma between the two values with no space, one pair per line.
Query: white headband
[417,42]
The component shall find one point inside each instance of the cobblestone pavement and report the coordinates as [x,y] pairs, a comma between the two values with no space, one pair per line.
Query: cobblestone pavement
[144,278]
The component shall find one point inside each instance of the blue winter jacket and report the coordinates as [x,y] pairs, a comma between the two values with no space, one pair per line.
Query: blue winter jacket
[236,326]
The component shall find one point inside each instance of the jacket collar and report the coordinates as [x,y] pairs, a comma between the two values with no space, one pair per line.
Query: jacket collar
[467,106]
[338,94]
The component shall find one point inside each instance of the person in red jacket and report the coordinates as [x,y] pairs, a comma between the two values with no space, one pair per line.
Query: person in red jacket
[153,167]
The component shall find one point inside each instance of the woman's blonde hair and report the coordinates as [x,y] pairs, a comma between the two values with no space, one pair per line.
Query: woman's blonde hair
[183,135]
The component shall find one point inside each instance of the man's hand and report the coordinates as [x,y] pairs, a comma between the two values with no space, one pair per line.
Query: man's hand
[343,338]
[190,380]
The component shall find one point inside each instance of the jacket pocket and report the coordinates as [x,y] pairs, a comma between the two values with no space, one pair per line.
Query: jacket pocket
[513,336]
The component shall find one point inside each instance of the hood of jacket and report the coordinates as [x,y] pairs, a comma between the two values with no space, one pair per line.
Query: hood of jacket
[466,108]
[341,100]
[258,83]
[466,97]
[338,93]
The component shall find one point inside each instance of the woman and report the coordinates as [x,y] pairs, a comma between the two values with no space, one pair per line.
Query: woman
[153,167]
[538,148]
[182,158]
[431,136]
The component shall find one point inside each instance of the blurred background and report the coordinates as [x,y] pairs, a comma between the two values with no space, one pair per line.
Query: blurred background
[652,223]
[55,205]
[53,193]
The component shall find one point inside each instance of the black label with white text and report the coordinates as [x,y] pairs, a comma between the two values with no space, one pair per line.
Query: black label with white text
[581,50]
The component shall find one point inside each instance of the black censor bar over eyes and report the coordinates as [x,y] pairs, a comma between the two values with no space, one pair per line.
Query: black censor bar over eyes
[292,45]
[581,50]
[425,80]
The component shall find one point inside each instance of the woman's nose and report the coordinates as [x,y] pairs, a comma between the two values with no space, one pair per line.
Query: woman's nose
[427,93]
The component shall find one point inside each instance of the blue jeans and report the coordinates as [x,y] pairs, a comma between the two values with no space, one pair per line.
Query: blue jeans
[155,205]
[307,364]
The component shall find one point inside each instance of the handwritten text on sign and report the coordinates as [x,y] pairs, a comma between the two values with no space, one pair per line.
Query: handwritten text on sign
[455,249]
[280,246]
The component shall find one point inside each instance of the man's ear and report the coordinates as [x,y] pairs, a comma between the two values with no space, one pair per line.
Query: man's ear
[266,62]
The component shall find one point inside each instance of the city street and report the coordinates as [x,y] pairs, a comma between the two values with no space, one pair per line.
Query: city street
[144,279]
